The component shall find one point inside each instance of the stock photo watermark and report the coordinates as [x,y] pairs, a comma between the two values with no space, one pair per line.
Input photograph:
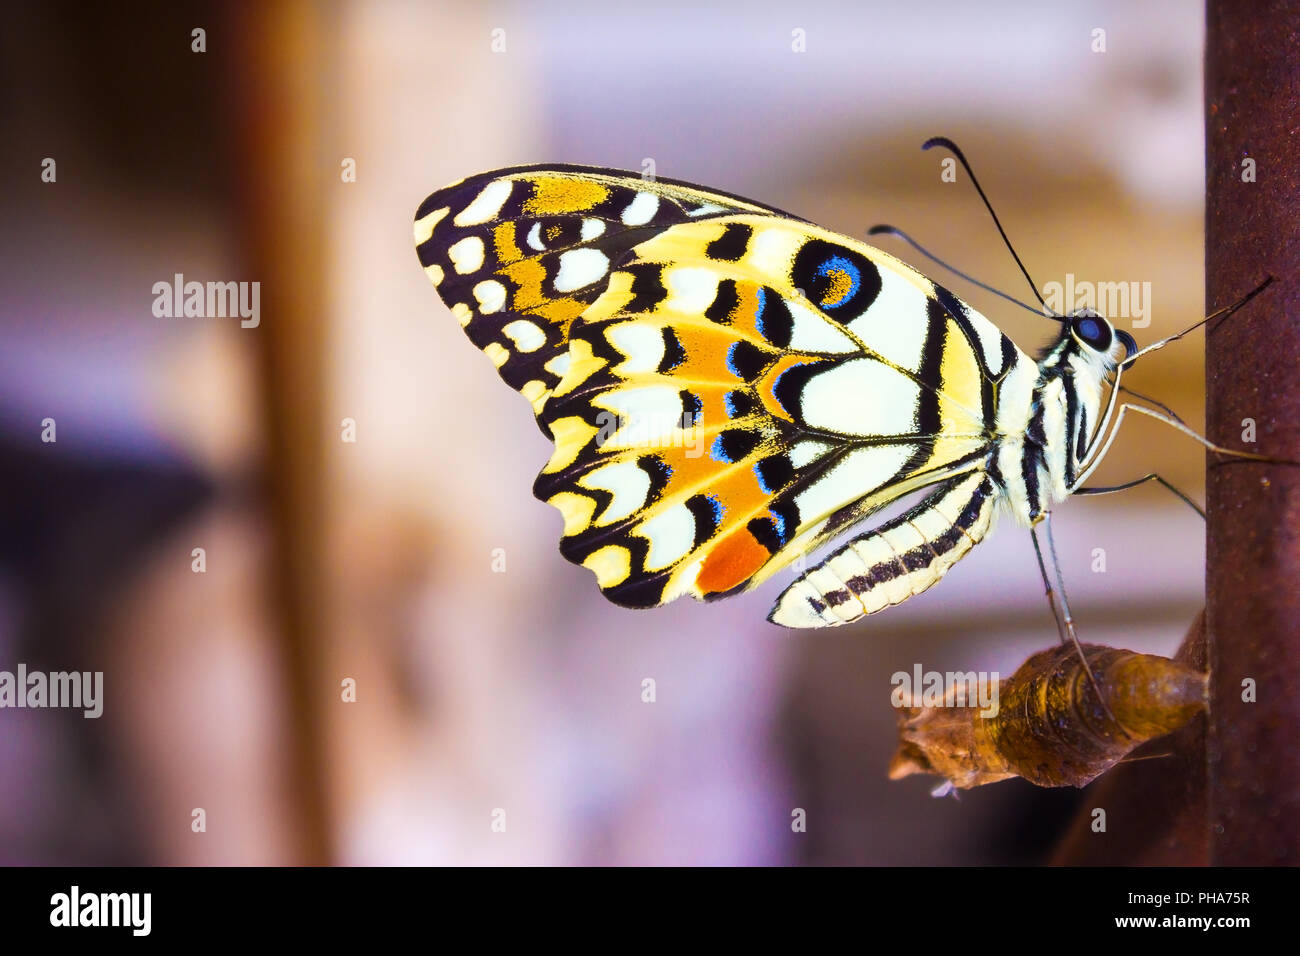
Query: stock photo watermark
[208,300]
[73,690]
[126,910]
[1115,300]
[652,431]
[922,688]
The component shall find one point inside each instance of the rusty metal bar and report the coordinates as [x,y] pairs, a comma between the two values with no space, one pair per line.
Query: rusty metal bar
[1252,87]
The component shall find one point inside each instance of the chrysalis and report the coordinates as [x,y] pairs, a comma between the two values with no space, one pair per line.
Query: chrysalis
[1050,726]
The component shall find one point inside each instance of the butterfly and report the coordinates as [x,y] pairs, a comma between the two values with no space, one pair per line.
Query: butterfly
[729,387]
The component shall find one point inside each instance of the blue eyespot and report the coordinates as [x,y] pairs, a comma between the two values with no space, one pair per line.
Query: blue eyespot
[842,280]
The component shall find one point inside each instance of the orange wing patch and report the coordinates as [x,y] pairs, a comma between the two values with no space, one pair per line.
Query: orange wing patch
[731,562]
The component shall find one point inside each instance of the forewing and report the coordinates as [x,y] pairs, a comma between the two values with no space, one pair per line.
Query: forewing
[518,254]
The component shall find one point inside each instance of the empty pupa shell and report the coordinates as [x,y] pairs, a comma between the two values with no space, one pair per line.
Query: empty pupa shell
[1050,726]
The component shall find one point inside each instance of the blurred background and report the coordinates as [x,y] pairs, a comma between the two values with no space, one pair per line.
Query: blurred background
[413,561]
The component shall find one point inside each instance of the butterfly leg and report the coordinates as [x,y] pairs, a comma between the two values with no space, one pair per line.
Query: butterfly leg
[1048,590]
[1110,489]
[1067,619]
[1095,457]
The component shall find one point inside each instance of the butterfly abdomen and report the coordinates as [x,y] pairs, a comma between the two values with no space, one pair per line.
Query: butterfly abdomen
[894,562]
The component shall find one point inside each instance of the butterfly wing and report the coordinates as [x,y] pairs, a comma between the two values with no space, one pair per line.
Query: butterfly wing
[727,387]
[745,388]
[518,254]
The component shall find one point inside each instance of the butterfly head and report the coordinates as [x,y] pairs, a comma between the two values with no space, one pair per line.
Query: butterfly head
[1096,338]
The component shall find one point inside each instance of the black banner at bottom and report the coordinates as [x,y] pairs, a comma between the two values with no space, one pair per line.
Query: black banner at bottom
[944,907]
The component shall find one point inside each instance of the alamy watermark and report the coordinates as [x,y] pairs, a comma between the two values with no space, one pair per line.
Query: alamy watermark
[208,300]
[75,908]
[652,431]
[78,690]
[1114,300]
[922,688]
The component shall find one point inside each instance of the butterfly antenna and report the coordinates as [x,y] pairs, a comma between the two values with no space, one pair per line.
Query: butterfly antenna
[953,148]
[884,229]
[1226,311]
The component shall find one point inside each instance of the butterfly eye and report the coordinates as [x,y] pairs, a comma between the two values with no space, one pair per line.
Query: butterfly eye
[1093,331]
[1130,344]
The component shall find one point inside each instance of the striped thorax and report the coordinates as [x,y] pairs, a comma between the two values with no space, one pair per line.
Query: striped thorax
[1044,445]
[1044,431]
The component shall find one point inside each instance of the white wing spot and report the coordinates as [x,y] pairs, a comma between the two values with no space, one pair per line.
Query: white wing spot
[591,228]
[534,238]
[811,332]
[424,227]
[526,335]
[642,344]
[990,341]
[807,451]
[626,481]
[861,397]
[559,365]
[641,209]
[486,205]
[580,268]
[772,250]
[856,475]
[671,535]
[895,325]
[491,296]
[691,289]
[467,255]
[649,415]
[707,209]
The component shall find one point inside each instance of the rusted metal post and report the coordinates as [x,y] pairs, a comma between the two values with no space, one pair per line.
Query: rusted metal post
[1252,110]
